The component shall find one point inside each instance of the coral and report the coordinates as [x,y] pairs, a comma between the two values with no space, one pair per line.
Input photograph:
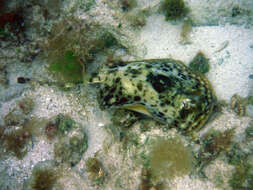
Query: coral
[70,149]
[26,105]
[173,9]
[128,5]
[170,158]
[200,63]
[95,168]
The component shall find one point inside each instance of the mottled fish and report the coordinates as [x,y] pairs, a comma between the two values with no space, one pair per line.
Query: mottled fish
[164,89]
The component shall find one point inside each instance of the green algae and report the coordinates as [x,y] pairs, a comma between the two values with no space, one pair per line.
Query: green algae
[200,63]
[173,9]
[69,67]
[73,46]
[170,158]
[70,149]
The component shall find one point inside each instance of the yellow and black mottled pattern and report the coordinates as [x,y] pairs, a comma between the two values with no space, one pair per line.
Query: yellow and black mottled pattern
[169,91]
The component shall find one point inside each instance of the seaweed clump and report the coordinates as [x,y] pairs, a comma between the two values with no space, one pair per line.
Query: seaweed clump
[174,9]
[214,143]
[44,177]
[73,45]
[17,133]
[170,158]
[17,138]
[95,169]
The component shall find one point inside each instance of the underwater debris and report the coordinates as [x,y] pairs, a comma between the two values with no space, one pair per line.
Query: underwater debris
[95,169]
[173,9]
[200,63]
[170,158]
[22,80]
[70,149]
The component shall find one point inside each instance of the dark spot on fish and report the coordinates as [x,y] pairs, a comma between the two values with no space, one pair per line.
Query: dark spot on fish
[160,82]
[137,98]
[139,86]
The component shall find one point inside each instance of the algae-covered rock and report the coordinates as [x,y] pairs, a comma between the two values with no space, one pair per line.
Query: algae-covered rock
[173,9]
[70,149]
[200,63]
